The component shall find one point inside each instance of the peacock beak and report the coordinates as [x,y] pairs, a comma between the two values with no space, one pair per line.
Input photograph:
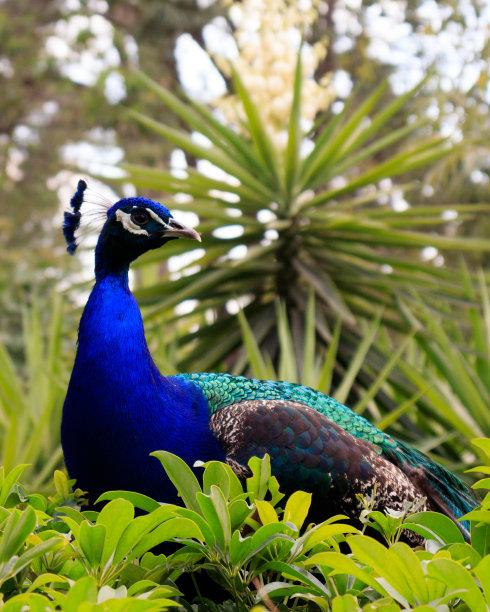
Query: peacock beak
[177,230]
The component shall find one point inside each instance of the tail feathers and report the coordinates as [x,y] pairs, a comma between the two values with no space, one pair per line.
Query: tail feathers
[445,492]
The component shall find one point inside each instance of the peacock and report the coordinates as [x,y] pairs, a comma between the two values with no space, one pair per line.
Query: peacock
[119,407]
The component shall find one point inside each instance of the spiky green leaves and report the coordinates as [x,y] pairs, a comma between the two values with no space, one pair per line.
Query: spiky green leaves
[311,222]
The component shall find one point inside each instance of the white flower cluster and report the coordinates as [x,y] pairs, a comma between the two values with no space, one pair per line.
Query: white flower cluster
[268,35]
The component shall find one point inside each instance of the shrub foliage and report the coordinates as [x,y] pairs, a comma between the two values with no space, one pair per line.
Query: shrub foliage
[250,542]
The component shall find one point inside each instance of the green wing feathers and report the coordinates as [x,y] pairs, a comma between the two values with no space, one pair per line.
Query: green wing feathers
[224,390]
[444,491]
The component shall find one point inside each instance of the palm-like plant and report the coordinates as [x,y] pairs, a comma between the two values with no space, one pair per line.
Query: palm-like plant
[305,223]
[455,356]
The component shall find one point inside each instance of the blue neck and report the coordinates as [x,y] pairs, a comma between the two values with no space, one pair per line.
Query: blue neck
[110,259]
[119,408]
[111,339]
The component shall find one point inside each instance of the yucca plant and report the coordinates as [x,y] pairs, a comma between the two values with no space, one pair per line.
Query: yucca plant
[302,223]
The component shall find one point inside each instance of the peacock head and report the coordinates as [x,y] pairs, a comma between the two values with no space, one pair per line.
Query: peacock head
[133,226]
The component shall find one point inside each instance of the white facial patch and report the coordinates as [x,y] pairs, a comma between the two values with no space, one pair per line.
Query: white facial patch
[128,224]
[153,214]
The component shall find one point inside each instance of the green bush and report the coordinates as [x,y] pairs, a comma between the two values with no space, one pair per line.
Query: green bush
[253,543]
[32,394]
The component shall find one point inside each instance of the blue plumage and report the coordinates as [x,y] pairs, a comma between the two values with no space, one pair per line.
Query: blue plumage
[112,417]
[72,219]
[119,408]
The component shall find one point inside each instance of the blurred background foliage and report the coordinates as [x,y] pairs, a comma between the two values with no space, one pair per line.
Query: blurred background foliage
[342,199]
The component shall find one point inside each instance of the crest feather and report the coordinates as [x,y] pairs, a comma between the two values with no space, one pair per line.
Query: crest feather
[72,219]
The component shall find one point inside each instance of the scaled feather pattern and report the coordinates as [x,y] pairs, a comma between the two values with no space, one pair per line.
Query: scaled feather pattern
[119,407]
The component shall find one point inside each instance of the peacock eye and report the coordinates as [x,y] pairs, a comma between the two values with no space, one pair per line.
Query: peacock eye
[140,217]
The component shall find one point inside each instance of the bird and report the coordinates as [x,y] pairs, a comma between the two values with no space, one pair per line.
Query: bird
[119,407]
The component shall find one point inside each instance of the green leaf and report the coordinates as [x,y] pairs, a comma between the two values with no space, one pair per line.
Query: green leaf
[454,576]
[84,590]
[320,158]
[176,528]
[345,603]
[342,564]
[9,481]
[61,484]
[140,527]
[38,502]
[182,477]
[292,159]
[200,522]
[385,564]
[282,590]
[16,530]
[413,571]
[10,385]
[257,484]
[484,444]
[435,526]
[194,113]
[213,154]
[393,416]
[255,357]
[239,548]
[267,535]
[213,508]
[324,531]
[482,572]
[115,517]
[381,118]
[382,376]
[91,541]
[296,572]
[356,362]
[326,289]
[73,525]
[309,348]
[464,554]
[239,510]
[297,507]
[480,535]
[138,500]
[48,578]
[287,365]
[34,602]
[398,164]
[216,474]
[197,185]
[37,551]
[259,135]
[266,511]
[325,380]
[230,138]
